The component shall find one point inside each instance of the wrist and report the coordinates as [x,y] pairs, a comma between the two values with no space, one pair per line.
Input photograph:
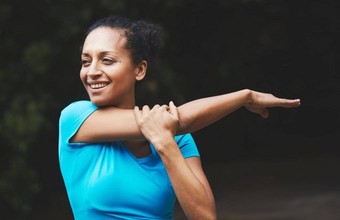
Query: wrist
[248,94]
[163,144]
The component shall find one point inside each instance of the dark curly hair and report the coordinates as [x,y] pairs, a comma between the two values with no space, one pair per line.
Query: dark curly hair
[143,39]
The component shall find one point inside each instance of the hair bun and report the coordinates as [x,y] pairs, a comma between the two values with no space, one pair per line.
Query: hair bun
[152,36]
[143,38]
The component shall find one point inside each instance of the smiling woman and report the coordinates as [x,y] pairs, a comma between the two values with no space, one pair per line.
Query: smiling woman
[108,72]
[118,162]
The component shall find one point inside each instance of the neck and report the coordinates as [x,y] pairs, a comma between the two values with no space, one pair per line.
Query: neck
[124,102]
[126,106]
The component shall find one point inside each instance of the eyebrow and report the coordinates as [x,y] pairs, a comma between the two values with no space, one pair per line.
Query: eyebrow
[101,53]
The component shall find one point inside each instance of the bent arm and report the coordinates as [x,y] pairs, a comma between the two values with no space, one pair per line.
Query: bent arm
[186,175]
[113,124]
[189,182]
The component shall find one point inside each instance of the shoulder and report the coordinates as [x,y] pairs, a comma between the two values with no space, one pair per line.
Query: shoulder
[76,112]
[72,117]
[187,145]
[78,105]
[184,139]
[77,108]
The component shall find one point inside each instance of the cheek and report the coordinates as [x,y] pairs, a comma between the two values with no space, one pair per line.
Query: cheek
[125,77]
[82,76]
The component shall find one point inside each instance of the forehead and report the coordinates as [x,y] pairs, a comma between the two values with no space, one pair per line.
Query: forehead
[105,38]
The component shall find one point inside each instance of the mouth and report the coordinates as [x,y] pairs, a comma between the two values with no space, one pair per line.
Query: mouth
[98,85]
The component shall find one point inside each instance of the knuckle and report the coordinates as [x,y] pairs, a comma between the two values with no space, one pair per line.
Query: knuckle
[156,107]
[141,121]
[165,107]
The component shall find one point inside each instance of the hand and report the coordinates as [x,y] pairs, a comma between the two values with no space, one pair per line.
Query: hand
[158,123]
[260,101]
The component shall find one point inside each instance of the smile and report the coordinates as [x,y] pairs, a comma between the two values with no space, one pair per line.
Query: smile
[98,85]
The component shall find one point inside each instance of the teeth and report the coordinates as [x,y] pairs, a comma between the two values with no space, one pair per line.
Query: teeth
[98,86]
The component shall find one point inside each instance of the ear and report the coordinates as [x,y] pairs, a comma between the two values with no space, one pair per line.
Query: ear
[141,70]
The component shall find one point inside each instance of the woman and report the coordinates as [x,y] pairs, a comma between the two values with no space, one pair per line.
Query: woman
[119,162]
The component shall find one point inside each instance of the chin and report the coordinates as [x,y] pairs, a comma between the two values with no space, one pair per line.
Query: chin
[99,102]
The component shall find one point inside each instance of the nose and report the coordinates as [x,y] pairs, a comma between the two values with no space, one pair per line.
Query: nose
[94,71]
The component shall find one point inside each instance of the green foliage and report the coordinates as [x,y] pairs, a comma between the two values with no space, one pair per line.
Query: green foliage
[22,122]
[36,58]
[19,185]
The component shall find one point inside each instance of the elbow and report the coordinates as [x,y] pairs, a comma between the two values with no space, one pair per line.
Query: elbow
[210,215]
[206,213]
[210,210]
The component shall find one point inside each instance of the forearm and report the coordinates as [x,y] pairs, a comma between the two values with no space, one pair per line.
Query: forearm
[200,113]
[196,200]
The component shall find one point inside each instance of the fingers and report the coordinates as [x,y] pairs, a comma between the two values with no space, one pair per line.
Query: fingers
[264,113]
[273,101]
[293,103]
[165,107]
[287,103]
[156,107]
[138,114]
[145,109]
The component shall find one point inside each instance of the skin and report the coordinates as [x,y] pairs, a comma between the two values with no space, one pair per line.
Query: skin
[109,76]
[159,126]
[106,61]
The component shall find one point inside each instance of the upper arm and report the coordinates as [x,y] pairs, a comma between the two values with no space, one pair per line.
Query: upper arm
[108,124]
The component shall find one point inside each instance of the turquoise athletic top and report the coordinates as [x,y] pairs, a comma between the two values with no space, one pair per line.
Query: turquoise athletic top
[106,181]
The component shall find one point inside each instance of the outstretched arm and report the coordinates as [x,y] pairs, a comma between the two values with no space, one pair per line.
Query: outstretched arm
[202,112]
[112,124]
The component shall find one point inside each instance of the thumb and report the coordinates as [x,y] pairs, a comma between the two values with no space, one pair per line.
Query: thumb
[265,113]
[173,109]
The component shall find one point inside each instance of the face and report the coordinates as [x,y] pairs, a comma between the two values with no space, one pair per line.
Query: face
[107,72]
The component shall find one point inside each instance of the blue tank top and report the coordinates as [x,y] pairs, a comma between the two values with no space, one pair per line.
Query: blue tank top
[106,181]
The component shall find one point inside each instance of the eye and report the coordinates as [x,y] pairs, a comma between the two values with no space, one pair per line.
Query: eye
[108,61]
[85,62]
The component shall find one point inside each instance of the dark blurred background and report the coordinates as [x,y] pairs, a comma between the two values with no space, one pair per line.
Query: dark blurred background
[283,167]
